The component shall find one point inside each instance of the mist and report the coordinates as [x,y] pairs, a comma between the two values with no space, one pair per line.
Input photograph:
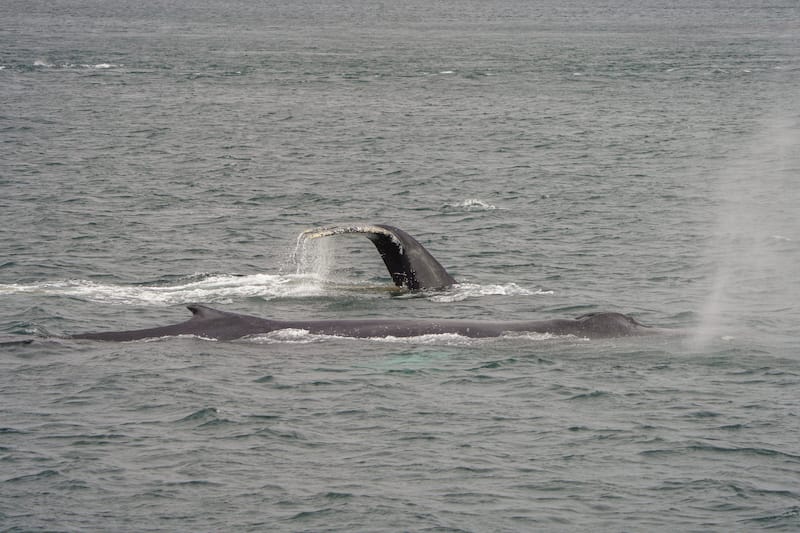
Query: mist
[754,246]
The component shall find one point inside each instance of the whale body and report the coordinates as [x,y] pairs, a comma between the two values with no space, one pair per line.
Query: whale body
[412,267]
[212,323]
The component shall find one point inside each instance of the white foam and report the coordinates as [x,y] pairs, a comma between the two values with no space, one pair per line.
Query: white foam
[538,337]
[167,337]
[463,291]
[100,66]
[475,204]
[42,63]
[302,336]
[223,288]
[288,335]
[448,339]
[471,205]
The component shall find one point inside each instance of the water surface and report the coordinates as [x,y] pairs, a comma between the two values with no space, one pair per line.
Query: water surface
[557,158]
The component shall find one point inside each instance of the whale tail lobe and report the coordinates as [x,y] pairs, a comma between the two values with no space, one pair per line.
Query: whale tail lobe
[409,263]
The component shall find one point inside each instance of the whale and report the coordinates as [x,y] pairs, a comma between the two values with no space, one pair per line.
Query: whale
[15,341]
[209,323]
[409,263]
[412,267]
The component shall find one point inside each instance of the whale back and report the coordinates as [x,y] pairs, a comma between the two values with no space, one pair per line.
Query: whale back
[205,322]
[609,324]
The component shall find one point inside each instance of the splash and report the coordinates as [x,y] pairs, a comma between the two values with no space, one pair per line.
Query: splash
[317,258]
[312,258]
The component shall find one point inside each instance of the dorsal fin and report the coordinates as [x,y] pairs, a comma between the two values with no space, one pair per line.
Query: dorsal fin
[408,262]
[203,312]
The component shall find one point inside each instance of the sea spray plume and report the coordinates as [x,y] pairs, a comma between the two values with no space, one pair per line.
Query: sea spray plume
[755,249]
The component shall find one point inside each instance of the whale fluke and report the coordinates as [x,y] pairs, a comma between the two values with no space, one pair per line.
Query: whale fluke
[409,263]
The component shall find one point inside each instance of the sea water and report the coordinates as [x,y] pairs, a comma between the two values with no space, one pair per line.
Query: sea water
[557,157]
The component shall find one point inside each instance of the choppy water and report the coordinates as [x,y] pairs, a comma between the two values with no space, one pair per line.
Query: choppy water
[558,158]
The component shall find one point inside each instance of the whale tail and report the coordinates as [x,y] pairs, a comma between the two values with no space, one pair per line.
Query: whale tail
[409,263]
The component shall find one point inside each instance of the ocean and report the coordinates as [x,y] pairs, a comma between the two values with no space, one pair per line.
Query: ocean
[557,157]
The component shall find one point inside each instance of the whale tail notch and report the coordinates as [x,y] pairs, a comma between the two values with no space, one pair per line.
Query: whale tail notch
[409,263]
